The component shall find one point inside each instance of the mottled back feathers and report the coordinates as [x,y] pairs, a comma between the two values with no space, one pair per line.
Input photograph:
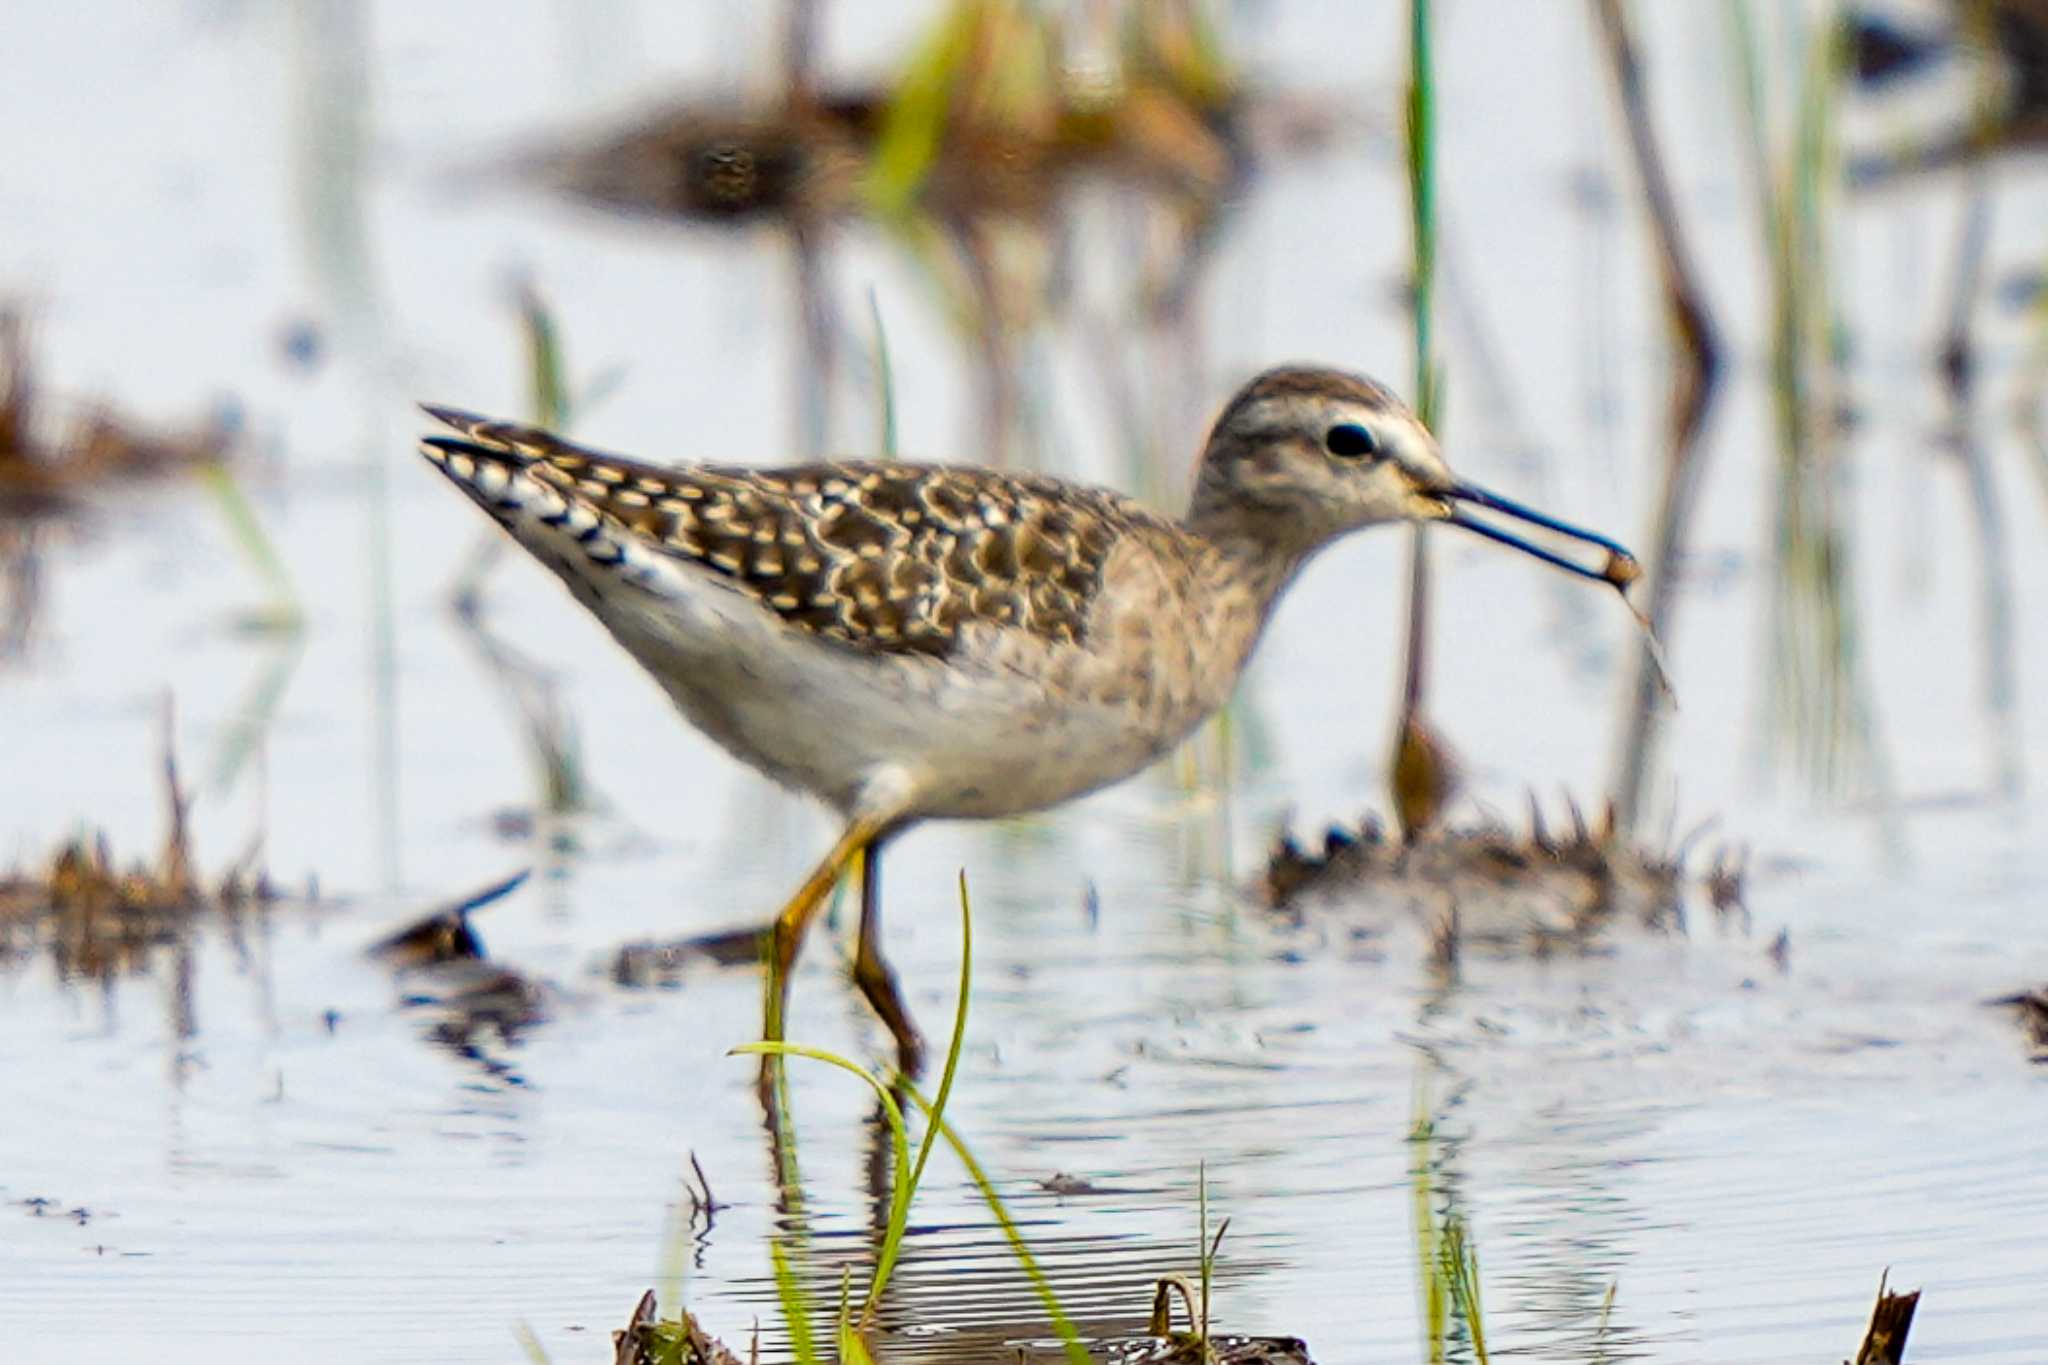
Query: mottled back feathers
[888,557]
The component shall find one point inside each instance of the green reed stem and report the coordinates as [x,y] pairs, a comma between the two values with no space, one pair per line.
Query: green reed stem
[283,611]
[908,1173]
[1422,202]
[885,378]
[796,1308]
[1063,1326]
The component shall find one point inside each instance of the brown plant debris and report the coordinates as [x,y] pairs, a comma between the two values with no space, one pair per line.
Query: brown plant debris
[725,163]
[445,935]
[1493,884]
[1162,1345]
[99,921]
[651,964]
[1884,1343]
[2030,1011]
[2010,106]
[648,1340]
[1727,884]
[1184,1348]
[989,118]
[46,462]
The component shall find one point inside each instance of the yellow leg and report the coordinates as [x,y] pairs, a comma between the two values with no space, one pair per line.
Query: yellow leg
[794,921]
[872,973]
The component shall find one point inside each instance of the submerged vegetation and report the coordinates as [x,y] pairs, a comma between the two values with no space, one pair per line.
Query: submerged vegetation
[1532,889]
[1446,1262]
[98,920]
[683,1339]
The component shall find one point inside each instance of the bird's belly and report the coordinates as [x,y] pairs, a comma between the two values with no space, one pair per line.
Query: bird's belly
[973,748]
[974,743]
[1017,763]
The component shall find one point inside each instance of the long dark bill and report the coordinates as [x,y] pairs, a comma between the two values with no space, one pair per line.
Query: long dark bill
[1619,567]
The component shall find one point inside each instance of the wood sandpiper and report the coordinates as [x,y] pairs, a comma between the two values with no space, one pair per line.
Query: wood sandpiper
[912,642]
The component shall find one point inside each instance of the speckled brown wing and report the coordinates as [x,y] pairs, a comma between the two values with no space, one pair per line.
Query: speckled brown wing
[891,557]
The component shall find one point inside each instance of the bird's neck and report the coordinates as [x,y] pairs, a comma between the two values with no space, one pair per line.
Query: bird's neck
[1241,577]
[1255,551]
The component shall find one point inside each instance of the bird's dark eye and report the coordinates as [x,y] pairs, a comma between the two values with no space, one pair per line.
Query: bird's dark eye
[1351,441]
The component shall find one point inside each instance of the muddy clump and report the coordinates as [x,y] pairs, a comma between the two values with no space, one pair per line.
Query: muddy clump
[1530,888]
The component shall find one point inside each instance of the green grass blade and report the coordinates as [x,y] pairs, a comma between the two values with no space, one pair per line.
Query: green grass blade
[924,1151]
[885,378]
[852,1350]
[915,123]
[908,1175]
[282,612]
[1063,1326]
[796,1309]
[1461,1278]
[899,1142]
[547,383]
[1422,202]
[530,1346]
[1428,1253]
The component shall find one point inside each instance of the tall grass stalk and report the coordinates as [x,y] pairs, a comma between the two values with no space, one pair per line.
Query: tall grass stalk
[908,1174]
[1959,365]
[529,1344]
[796,1307]
[914,125]
[282,612]
[240,739]
[1697,354]
[282,616]
[885,378]
[987,62]
[1421,766]
[1421,122]
[1206,1248]
[852,1350]
[1063,1325]
[1446,1262]
[1820,704]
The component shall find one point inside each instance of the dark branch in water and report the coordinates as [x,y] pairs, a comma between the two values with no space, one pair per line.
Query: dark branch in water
[1692,392]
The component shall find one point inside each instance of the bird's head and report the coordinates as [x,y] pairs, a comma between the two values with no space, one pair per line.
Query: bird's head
[1302,456]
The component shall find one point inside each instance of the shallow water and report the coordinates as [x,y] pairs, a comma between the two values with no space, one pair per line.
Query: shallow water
[270,1155]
